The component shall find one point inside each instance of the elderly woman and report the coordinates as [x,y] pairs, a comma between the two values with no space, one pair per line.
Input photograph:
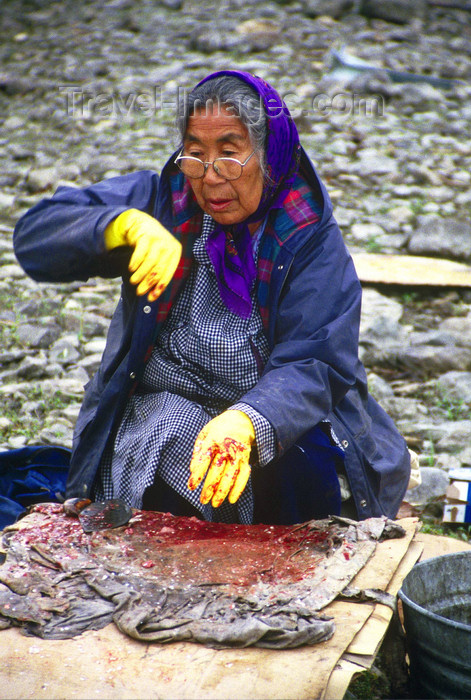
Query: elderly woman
[230,387]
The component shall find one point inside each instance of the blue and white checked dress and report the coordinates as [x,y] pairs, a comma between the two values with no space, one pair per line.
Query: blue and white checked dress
[204,360]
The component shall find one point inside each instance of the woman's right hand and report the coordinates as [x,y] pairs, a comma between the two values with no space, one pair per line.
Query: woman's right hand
[156,252]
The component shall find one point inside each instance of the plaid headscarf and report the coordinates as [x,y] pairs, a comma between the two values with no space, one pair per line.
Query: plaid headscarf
[233,262]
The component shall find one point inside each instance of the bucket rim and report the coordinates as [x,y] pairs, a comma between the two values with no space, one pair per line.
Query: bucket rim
[428,613]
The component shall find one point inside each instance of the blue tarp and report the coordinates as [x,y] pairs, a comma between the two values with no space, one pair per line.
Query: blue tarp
[35,474]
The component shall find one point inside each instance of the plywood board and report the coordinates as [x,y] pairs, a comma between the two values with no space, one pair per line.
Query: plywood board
[411,270]
[107,664]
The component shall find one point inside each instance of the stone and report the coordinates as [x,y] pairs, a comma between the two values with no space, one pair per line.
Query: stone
[57,434]
[32,367]
[465,456]
[39,307]
[401,214]
[86,323]
[458,436]
[375,305]
[423,175]
[445,237]
[67,386]
[434,337]
[424,360]
[13,123]
[11,272]
[459,327]
[172,4]
[78,374]
[11,356]
[95,346]
[54,369]
[403,409]
[447,462]
[41,179]
[378,387]
[91,363]
[64,352]
[208,41]
[418,96]
[344,217]
[430,359]
[6,200]
[382,331]
[17,441]
[71,412]
[397,11]
[433,486]
[327,8]
[263,31]
[37,336]
[373,163]
[456,386]
[366,232]
[5,423]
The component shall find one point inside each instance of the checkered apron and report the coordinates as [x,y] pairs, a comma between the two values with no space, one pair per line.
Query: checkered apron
[204,360]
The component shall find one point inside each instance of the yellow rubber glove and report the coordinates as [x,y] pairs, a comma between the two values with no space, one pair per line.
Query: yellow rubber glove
[156,252]
[223,447]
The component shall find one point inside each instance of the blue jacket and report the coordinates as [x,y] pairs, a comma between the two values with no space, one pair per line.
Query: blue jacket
[314,300]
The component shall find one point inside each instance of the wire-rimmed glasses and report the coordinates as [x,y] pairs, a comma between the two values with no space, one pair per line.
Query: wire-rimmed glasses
[195,168]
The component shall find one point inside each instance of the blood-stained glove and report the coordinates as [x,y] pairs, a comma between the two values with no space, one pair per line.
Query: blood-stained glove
[156,252]
[223,446]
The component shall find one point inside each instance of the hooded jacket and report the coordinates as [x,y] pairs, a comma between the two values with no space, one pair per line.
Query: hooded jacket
[312,299]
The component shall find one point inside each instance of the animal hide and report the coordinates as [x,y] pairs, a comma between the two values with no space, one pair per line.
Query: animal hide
[164,578]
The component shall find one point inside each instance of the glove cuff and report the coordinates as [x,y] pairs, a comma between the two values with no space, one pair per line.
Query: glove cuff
[244,422]
[116,231]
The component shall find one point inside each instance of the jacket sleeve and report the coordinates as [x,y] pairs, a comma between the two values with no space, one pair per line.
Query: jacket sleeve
[314,360]
[61,239]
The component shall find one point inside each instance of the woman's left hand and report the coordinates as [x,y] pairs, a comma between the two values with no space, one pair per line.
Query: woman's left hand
[223,447]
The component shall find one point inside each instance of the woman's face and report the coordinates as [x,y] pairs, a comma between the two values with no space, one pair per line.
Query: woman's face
[218,134]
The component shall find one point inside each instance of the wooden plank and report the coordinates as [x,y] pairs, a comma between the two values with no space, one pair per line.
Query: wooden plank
[411,270]
[361,652]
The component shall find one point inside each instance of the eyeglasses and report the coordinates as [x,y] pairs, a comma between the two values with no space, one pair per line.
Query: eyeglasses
[228,168]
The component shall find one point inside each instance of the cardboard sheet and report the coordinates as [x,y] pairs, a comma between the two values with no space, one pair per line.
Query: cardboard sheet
[107,664]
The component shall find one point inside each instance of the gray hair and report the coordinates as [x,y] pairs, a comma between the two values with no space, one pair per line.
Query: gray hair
[228,91]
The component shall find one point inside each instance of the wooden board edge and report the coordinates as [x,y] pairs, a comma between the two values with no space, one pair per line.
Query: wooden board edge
[362,651]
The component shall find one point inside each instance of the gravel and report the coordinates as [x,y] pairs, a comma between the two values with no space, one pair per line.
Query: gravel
[88,90]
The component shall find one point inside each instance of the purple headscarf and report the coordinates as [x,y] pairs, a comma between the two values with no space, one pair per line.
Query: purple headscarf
[233,261]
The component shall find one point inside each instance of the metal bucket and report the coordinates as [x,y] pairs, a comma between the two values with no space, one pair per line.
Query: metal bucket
[436,597]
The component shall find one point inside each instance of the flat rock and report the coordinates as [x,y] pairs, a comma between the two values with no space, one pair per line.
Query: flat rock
[327,8]
[64,352]
[444,237]
[457,437]
[456,385]
[41,179]
[37,336]
[11,272]
[433,486]
[397,11]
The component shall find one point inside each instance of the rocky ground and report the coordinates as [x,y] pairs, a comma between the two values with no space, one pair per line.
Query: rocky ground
[87,91]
